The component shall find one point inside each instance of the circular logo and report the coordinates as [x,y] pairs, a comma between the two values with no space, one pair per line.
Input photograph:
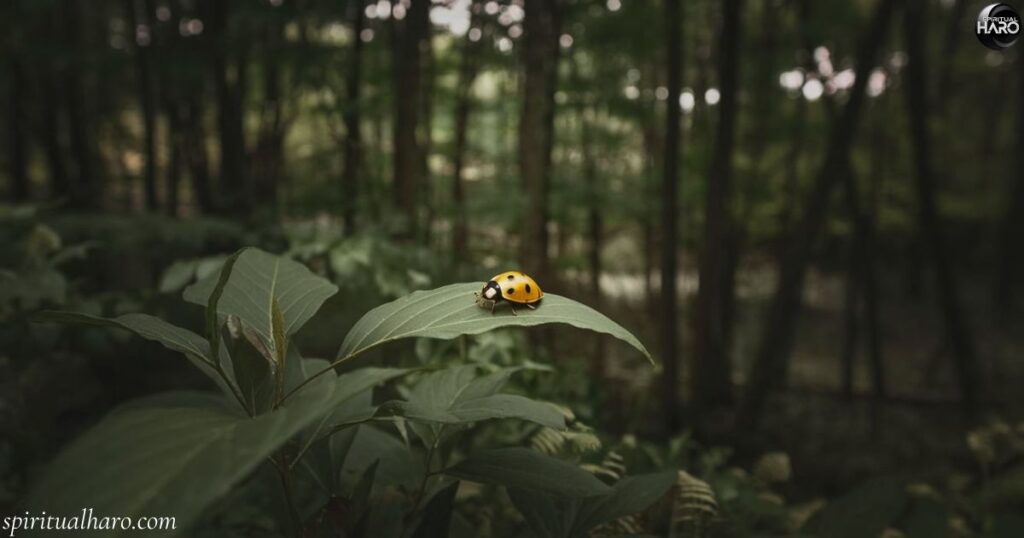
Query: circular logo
[998,26]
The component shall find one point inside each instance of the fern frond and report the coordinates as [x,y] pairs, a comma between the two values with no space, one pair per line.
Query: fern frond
[577,440]
[695,507]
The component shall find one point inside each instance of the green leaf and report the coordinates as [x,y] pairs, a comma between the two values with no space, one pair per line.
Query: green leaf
[630,495]
[277,330]
[489,407]
[554,517]
[455,396]
[177,276]
[358,504]
[195,348]
[865,511]
[212,320]
[526,469]
[399,465]
[547,516]
[175,454]
[450,311]
[256,281]
[437,515]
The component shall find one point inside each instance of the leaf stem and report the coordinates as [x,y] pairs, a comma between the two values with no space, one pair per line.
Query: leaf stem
[234,391]
[326,369]
[283,472]
[427,474]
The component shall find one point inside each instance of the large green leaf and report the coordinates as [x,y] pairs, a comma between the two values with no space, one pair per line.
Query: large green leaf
[865,511]
[259,280]
[546,515]
[486,408]
[195,348]
[530,470]
[437,515]
[174,454]
[630,495]
[553,517]
[456,396]
[451,311]
[151,328]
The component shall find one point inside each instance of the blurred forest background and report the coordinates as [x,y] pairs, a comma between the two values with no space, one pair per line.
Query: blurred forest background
[833,189]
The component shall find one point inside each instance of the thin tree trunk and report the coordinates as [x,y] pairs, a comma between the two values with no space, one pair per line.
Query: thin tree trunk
[649,220]
[1011,234]
[861,285]
[229,83]
[711,380]
[20,188]
[869,272]
[957,328]
[851,305]
[197,156]
[669,328]
[146,102]
[52,126]
[268,155]
[426,99]
[540,57]
[175,150]
[595,229]
[85,191]
[352,118]
[468,68]
[771,363]
[951,43]
[407,157]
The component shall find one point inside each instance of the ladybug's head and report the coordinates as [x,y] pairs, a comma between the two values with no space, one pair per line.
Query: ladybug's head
[491,291]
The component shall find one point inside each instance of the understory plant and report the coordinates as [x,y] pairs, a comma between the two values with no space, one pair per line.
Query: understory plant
[302,446]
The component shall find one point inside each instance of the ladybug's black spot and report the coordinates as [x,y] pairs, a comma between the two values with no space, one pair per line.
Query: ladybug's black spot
[510,277]
[510,291]
[527,288]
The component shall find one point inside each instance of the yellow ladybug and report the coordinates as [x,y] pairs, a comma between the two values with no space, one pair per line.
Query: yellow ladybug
[513,287]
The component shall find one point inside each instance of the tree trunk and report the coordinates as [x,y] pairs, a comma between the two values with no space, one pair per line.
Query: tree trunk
[176,137]
[951,43]
[649,219]
[146,103]
[197,156]
[957,328]
[268,155]
[772,358]
[52,126]
[1011,234]
[20,188]
[85,191]
[669,328]
[711,379]
[595,229]
[353,135]
[468,68]
[540,58]
[426,100]
[408,40]
[229,73]
[851,315]
[869,272]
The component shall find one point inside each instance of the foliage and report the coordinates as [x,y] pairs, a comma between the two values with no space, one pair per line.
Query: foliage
[180,452]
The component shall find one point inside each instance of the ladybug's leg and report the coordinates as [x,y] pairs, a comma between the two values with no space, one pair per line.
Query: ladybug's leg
[493,303]
[513,307]
[530,306]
